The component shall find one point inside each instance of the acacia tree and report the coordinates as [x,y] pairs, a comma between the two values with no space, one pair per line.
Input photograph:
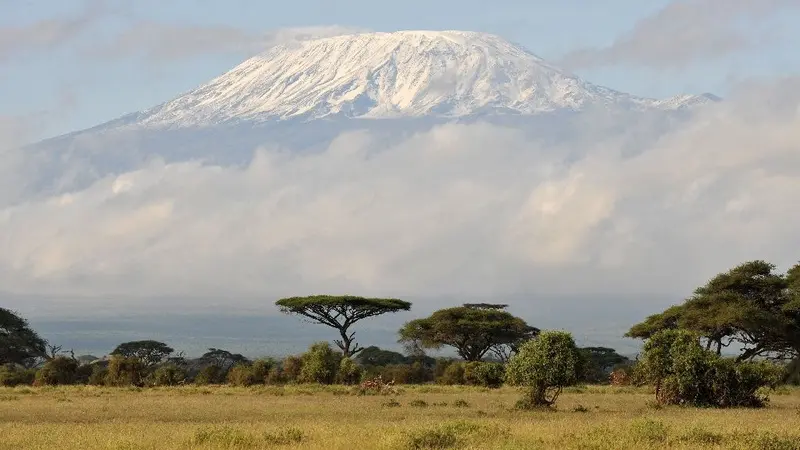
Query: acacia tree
[750,305]
[149,353]
[341,312]
[19,344]
[472,329]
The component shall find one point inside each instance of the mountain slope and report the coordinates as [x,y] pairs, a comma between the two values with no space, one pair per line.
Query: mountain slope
[385,75]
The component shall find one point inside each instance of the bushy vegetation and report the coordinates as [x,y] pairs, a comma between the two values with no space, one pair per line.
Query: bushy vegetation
[684,373]
[544,367]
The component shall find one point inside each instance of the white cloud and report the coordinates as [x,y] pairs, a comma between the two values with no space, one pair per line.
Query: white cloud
[686,32]
[461,209]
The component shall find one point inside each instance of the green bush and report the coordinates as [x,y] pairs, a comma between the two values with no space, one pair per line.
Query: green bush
[124,371]
[168,375]
[349,372]
[212,374]
[686,374]
[544,366]
[440,366]
[320,364]
[486,374]
[261,369]
[276,376]
[12,375]
[57,371]
[453,374]
[291,368]
[242,375]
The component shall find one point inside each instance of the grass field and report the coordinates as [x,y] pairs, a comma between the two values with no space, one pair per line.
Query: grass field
[418,417]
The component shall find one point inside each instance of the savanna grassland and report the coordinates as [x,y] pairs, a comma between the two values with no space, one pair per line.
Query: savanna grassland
[415,417]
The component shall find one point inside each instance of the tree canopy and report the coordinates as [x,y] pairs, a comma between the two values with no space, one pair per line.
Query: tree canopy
[750,305]
[19,344]
[341,312]
[150,353]
[473,330]
[545,366]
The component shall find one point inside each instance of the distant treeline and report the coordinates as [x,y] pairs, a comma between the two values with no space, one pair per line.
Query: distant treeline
[750,305]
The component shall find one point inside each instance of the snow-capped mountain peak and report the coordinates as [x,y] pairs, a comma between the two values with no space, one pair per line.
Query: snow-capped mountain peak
[384,75]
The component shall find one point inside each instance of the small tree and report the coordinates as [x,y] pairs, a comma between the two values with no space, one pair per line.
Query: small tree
[341,312]
[125,372]
[222,359]
[473,330]
[544,366]
[57,371]
[149,353]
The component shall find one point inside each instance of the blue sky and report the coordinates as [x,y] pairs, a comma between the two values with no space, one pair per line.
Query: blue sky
[78,88]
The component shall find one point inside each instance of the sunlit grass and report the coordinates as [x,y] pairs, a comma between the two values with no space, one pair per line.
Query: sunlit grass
[418,417]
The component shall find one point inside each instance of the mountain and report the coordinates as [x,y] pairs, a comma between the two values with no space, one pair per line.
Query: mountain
[391,75]
[302,96]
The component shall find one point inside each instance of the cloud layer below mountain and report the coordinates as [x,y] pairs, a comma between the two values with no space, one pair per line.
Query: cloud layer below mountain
[462,209]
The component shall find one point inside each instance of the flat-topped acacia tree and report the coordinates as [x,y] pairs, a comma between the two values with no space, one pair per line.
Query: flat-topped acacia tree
[341,312]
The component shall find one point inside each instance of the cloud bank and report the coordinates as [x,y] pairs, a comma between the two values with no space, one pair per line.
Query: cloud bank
[685,32]
[162,42]
[463,209]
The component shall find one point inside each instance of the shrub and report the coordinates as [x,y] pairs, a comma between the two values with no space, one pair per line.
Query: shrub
[349,372]
[320,364]
[453,374]
[98,376]
[418,403]
[168,375]
[261,369]
[12,375]
[276,376]
[486,374]
[83,373]
[124,371]
[291,368]
[212,374]
[686,374]
[440,366]
[57,371]
[242,375]
[544,366]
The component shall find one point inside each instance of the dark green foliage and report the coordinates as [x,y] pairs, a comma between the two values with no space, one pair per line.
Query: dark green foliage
[291,368]
[99,375]
[250,374]
[124,371]
[242,375]
[349,372]
[415,373]
[598,362]
[212,374]
[486,374]
[168,375]
[544,366]
[472,331]
[13,375]
[19,344]
[222,359]
[750,305]
[320,364]
[684,373]
[453,374]
[57,371]
[341,312]
[261,369]
[149,353]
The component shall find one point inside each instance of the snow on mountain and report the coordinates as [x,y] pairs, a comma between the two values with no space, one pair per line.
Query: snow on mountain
[385,75]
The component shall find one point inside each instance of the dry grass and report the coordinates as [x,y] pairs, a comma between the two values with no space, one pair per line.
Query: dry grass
[330,418]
